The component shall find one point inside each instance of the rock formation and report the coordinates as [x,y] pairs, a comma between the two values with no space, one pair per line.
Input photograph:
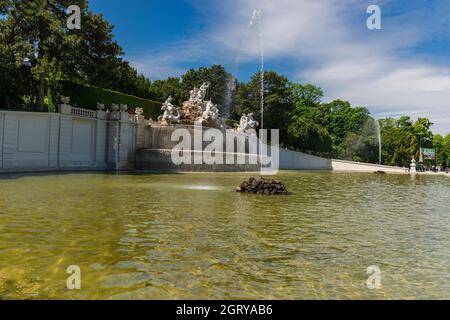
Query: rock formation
[262,186]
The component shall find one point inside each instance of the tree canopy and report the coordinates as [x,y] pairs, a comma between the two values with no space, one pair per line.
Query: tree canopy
[37,50]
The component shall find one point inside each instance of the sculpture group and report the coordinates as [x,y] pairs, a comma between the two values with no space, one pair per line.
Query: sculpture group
[197,110]
[194,111]
[247,123]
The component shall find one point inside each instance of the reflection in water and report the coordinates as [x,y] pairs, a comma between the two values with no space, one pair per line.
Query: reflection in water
[190,236]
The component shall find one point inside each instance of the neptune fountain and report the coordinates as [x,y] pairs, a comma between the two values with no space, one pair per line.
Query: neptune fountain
[195,111]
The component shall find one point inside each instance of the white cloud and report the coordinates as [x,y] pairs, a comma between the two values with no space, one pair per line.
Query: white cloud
[329,42]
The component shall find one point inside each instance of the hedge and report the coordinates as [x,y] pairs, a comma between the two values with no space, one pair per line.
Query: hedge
[86,96]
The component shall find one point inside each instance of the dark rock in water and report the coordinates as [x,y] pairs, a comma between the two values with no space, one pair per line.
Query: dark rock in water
[380,172]
[262,186]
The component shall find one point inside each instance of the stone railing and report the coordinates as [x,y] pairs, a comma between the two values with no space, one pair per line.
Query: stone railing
[83,113]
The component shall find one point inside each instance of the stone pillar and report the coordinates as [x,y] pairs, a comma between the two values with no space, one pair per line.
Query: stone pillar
[101,139]
[141,126]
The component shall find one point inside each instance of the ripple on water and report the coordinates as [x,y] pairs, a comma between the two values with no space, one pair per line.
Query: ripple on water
[190,236]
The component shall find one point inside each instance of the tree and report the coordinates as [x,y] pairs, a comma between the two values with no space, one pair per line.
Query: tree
[222,85]
[446,150]
[340,118]
[306,94]
[15,80]
[399,141]
[438,144]
[37,45]
[277,101]
[305,130]
[361,146]
[40,37]
[160,90]
[308,136]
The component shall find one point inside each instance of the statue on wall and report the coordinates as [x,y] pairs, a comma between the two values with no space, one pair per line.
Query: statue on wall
[193,94]
[246,123]
[211,113]
[139,111]
[193,111]
[65,100]
[202,91]
[171,113]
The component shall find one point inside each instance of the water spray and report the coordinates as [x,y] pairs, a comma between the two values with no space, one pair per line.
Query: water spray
[256,17]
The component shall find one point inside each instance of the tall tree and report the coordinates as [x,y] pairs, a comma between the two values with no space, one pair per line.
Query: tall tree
[222,85]
[40,37]
[277,101]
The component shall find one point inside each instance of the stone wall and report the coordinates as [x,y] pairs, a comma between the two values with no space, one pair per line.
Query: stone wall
[74,139]
[80,139]
[350,166]
[293,160]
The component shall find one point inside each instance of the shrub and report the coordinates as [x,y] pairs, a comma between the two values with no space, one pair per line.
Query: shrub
[86,96]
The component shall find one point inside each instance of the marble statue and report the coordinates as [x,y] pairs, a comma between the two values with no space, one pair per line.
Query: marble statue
[100,106]
[123,108]
[64,100]
[211,112]
[193,111]
[193,94]
[171,113]
[246,123]
[115,107]
[413,166]
[202,91]
[139,111]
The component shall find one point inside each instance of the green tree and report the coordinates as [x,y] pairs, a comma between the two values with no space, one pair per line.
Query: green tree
[309,137]
[305,129]
[340,119]
[222,85]
[399,141]
[446,150]
[40,37]
[277,101]
[438,144]
[361,146]
[160,90]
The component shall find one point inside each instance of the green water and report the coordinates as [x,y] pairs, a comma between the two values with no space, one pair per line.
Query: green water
[189,236]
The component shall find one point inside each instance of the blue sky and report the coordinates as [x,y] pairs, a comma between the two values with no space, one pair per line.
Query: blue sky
[404,68]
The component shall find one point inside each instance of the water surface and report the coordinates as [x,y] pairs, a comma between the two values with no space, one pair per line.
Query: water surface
[189,236]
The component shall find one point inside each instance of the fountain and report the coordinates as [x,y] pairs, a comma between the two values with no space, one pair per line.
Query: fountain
[377,125]
[256,16]
[195,111]
[171,113]
[246,123]
[227,150]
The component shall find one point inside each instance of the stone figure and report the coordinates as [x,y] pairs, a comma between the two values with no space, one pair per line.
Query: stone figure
[202,91]
[251,123]
[246,123]
[100,106]
[123,108]
[193,94]
[65,100]
[193,111]
[171,113]
[211,113]
[139,111]
[115,107]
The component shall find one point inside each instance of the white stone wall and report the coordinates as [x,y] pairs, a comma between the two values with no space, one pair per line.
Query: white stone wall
[350,166]
[74,139]
[293,160]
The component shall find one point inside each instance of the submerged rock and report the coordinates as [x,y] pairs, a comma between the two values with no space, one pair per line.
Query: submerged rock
[262,186]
